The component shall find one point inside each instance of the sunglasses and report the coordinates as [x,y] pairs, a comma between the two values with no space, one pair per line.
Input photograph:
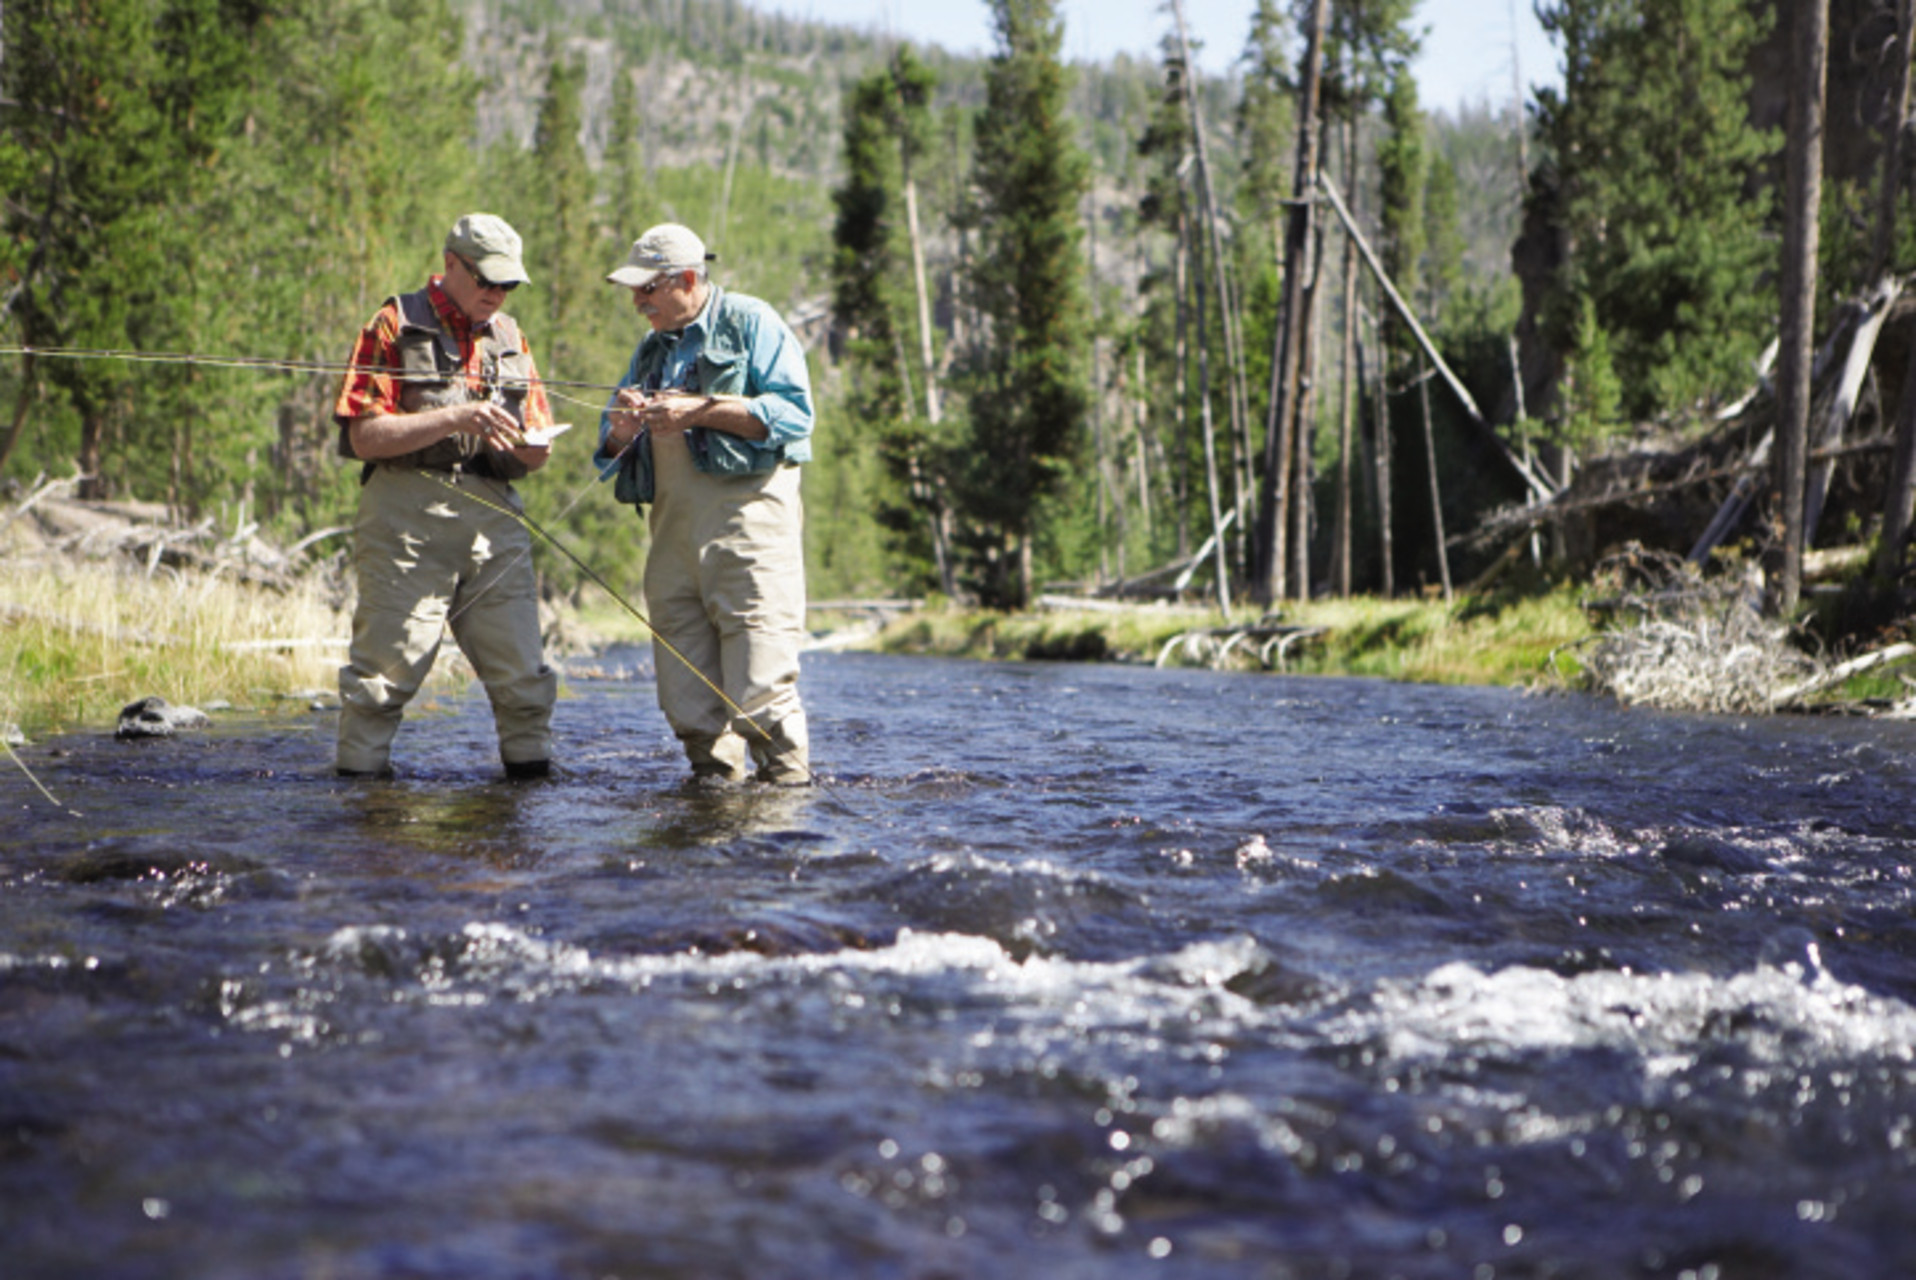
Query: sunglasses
[484,283]
[656,283]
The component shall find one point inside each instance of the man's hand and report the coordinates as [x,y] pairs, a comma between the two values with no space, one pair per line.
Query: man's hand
[491,423]
[669,413]
[629,418]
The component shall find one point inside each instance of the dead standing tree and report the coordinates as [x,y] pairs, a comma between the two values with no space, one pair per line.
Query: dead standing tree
[1803,186]
[1288,357]
[1207,212]
[1220,274]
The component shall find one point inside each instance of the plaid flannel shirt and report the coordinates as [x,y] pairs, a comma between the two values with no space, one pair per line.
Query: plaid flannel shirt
[366,391]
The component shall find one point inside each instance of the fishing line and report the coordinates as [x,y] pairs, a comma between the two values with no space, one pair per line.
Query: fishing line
[534,526]
[284,365]
[22,764]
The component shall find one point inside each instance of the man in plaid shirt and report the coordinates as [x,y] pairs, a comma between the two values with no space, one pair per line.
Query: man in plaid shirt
[444,408]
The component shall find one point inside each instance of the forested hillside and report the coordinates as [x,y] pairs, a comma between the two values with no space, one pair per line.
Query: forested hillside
[1066,321]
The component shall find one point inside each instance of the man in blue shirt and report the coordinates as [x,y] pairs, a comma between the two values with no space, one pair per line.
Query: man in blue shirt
[709,426]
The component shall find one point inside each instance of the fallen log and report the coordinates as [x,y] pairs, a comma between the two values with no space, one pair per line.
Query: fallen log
[1833,676]
[1214,645]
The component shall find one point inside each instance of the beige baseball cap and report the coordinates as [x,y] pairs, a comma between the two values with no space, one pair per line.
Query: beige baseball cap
[490,244]
[666,247]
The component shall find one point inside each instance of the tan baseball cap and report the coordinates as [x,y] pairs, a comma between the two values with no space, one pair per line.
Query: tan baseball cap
[490,244]
[666,247]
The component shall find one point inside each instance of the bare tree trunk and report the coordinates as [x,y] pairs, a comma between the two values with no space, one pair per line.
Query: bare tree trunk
[1111,470]
[924,488]
[1842,407]
[1892,177]
[1143,403]
[1341,537]
[20,407]
[1901,484]
[1304,437]
[1529,454]
[1529,476]
[1273,508]
[1386,543]
[1517,111]
[1102,466]
[92,438]
[1211,494]
[1221,280]
[1181,476]
[932,406]
[1803,186]
[1436,494]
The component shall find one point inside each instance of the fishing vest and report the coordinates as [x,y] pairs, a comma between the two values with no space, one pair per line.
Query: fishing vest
[433,376]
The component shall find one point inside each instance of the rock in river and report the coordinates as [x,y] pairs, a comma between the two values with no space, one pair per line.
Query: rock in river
[154,717]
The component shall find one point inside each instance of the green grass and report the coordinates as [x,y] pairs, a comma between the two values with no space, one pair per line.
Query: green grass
[81,639]
[1493,639]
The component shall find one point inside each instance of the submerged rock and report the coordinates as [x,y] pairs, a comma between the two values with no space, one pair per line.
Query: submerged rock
[155,717]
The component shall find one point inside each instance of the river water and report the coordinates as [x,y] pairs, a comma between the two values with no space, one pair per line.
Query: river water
[1069,971]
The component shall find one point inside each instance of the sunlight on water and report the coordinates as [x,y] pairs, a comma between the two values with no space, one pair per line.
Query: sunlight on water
[1074,972]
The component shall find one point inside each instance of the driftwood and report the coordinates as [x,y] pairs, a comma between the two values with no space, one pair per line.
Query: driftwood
[1836,418]
[1650,491]
[49,522]
[1268,641]
[880,607]
[1697,644]
[1149,584]
[1512,521]
[1859,329]
[1095,604]
[1833,676]
[41,488]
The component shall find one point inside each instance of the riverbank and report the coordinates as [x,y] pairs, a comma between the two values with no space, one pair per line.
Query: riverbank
[1487,640]
[79,639]
[85,631]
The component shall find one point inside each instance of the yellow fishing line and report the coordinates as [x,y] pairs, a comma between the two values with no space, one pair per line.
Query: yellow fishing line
[22,764]
[533,526]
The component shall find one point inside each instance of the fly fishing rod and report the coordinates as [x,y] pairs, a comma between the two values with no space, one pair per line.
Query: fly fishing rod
[496,384]
[533,526]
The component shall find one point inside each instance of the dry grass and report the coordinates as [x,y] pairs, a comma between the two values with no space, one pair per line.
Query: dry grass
[81,638]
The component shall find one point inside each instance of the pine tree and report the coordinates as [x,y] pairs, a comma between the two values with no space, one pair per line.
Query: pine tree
[1656,162]
[556,218]
[1592,397]
[90,218]
[1443,269]
[1024,386]
[868,306]
[1266,135]
[337,192]
[624,167]
[1403,161]
[1166,207]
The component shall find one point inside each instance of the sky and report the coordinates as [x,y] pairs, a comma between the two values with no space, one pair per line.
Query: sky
[1466,60]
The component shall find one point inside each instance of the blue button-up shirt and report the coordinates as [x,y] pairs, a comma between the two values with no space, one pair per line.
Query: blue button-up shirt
[783,400]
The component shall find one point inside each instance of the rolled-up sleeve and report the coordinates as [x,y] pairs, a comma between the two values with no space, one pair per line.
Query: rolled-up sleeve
[782,385]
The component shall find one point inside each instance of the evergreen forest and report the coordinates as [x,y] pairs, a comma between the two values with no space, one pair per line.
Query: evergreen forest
[1114,327]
